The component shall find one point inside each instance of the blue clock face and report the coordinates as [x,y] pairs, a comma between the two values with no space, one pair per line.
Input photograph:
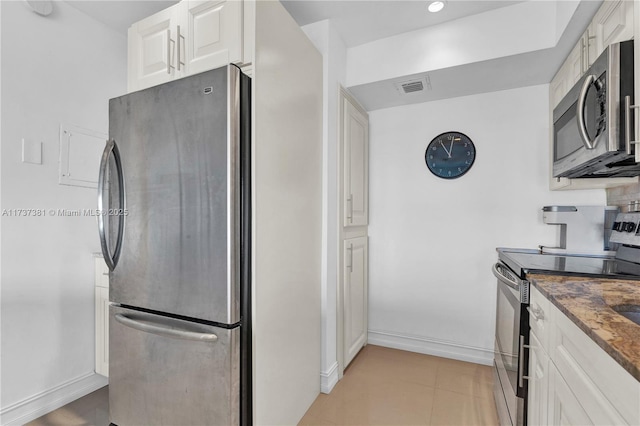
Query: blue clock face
[450,155]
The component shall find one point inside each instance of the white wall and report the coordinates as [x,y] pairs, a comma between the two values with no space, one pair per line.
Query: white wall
[432,241]
[287,233]
[57,69]
[334,54]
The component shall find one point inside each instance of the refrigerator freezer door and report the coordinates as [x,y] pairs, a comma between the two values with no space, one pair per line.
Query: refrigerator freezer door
[171,372]
[179,150]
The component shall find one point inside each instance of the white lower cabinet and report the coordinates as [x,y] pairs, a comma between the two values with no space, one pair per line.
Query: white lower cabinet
[564,407]
[102,316]
[538,382]
[355,296]
[572,381]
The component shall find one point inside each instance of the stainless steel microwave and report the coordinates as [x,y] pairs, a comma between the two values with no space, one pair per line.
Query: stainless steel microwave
[592,124]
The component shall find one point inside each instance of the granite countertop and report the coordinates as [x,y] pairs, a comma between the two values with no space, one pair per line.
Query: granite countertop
[587,302]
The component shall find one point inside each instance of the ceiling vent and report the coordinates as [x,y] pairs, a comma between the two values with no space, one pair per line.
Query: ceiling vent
[413,86]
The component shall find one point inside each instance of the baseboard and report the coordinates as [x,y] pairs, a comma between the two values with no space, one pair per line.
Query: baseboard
[434,347]
[329,379]
[44,402]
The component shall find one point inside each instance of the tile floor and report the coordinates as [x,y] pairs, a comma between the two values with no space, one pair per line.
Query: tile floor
[382,386]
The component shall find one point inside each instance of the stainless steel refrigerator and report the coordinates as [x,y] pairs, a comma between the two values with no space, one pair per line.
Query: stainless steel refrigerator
[174,193]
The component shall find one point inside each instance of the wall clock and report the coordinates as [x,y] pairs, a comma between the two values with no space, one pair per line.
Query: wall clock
[450,155]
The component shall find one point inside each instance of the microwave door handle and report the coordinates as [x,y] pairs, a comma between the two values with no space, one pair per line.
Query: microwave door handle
[582,127]
[628,109]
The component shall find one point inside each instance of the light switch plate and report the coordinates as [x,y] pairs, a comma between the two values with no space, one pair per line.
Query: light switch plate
[31,151]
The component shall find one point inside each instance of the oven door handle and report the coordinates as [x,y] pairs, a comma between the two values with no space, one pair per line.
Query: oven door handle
[582,126]
[511,283]
[521,376]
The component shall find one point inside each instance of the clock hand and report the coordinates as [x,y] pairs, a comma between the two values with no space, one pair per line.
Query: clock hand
[451,147]
[445,149]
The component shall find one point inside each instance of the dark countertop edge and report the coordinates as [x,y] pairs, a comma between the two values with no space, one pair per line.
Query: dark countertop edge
[620,277]
[614,353]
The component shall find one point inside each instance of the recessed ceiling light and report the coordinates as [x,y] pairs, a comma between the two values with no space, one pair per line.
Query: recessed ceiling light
[41,7]
[435,6]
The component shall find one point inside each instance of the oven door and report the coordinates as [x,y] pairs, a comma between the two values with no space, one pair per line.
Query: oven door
[512,334]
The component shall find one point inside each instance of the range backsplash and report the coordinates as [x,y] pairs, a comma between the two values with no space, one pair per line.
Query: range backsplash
[623,195]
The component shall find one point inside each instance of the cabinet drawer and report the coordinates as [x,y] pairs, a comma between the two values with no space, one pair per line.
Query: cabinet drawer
[607,392]
[539,316]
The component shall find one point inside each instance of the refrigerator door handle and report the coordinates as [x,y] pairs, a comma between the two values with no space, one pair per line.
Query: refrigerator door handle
[165,331]
[111,260]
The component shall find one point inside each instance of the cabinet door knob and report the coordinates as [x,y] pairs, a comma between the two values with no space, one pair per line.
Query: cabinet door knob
[536,313]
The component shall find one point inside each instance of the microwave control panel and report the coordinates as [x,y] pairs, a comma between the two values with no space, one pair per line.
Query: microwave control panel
[626,229]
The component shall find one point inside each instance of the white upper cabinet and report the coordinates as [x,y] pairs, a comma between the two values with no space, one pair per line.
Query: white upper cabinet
[187,38]
[568,74]
[213,34]
[612,23]
[152,48]
[576,64]
[589,45]
[558,86]
[355,145]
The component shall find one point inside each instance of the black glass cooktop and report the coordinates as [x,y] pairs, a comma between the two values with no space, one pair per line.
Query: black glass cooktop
[523,261]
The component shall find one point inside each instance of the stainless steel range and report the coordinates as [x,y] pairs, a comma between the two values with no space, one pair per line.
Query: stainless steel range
[513,271]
